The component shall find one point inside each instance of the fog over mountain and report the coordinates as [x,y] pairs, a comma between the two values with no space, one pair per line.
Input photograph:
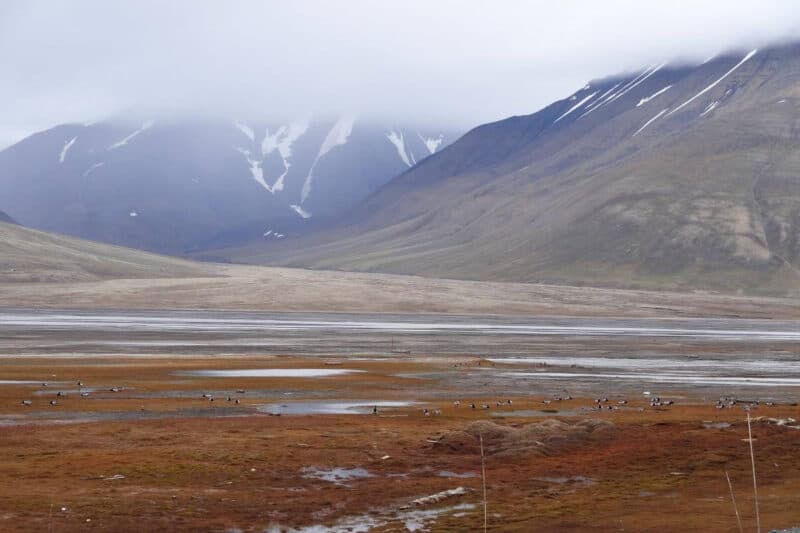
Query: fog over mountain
[450,63]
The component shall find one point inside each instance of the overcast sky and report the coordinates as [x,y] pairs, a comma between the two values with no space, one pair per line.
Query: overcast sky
[463,62]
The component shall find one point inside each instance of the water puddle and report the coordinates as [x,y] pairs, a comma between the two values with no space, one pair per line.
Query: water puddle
[408,520]
[330,408]
[271,373]
[716,425]
[337,476]
[687,378]
[447,473]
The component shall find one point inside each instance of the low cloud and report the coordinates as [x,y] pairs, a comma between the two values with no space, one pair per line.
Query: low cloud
[462,62]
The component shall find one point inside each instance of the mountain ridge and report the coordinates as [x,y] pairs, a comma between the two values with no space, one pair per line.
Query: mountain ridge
[180,185]
[673,177]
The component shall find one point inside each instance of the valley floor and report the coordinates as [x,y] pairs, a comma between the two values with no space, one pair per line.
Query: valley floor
[290,441]
[226,287]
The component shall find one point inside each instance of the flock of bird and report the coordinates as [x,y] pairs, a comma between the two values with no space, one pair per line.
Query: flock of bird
[210,397]
[60,395]
[600,404]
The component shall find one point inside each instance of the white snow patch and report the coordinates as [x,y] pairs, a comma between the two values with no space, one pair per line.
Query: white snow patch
[654,95]
[133,214]
[600,102]
[634,85]
[255,169]
[146,126]
[247,130]
[400,145]
[709,108]
[576,106]
[278,186]
[715,83]
[65,149]
[338,136]
[430,143]
[268,233]
[300,211]
[650,122]
[782,101]
[283,139]
[92,168]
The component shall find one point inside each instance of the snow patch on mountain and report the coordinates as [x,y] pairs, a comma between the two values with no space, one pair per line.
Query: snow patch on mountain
[576,106]
[247,130]
[255,168]
[623,92]
[716,82]
[283,139]
[65,149]
[650,122]
[606,98]
[709,108]
[278,185]
[654,95]
[397,140]
[93,168]
[432,144]
[598,101]
[337,136]
[300,211]
[146,126]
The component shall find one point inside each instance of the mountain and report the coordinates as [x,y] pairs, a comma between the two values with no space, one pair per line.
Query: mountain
[675,176]
[174,186]
[28,255]
[5,218]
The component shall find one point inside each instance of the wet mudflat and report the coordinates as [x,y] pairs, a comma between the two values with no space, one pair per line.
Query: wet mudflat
[374,426]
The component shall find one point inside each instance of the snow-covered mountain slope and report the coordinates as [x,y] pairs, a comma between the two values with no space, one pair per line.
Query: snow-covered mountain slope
[674,176]
[175,186]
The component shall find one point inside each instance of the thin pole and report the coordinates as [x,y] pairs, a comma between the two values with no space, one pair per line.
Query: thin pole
[733,499]
[483,478]
[753,464]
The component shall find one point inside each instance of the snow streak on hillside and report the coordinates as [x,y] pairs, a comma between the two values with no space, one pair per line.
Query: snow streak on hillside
[337,136]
